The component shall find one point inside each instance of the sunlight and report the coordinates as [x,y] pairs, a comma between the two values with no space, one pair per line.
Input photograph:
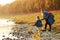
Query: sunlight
[4,22]
[4,2]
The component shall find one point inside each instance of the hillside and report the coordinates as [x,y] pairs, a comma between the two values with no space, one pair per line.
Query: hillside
[29,6]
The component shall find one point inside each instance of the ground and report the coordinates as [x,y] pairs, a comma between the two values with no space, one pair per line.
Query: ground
[31,18]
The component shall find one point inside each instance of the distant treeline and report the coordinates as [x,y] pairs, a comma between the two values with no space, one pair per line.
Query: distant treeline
[24,6]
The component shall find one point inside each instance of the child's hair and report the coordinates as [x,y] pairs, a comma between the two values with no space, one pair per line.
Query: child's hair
[37,17]
[38,23]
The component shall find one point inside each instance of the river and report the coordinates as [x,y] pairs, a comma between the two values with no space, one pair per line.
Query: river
[5,27]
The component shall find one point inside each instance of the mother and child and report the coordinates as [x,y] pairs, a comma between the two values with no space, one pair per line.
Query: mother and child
[49,19]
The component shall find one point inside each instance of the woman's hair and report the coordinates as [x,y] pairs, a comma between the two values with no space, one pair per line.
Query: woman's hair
[51,14]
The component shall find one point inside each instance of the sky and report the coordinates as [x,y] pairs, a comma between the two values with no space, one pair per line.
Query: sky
[4,2]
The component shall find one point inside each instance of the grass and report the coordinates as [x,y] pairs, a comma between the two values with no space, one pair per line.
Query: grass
[31,18]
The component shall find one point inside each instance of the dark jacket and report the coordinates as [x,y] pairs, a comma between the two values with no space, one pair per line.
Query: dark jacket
[48,18]
[38,23]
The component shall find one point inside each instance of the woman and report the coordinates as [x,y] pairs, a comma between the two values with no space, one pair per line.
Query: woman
[49,20]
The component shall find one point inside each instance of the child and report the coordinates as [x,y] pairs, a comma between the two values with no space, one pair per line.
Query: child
[38,23]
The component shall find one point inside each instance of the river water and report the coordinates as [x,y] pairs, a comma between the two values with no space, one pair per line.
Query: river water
[5,27]
[5,30]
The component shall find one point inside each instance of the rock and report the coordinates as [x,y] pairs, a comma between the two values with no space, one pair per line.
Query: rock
[25,32]
[56,37]
[46,35]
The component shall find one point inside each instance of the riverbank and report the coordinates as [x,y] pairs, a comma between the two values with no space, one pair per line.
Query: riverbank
[28,32]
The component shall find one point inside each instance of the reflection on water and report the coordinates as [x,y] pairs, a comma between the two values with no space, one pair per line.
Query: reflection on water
[5,30]
[4,22]
[5,27]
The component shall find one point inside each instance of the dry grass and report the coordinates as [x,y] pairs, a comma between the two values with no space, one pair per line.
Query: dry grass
[31,18]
